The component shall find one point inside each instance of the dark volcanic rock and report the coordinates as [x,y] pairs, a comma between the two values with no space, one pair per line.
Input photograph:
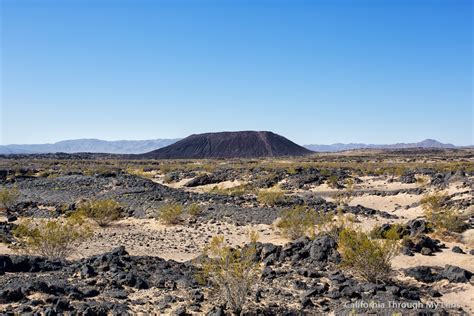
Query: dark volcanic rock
[423,244]
[245,144]
[457,249]
[429,274]
[6,235]
[111,276]
[207,179]
[424,273]
[456,274]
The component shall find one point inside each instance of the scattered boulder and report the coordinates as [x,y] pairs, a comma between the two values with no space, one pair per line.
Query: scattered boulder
[457,249]
[456,274]
[429,274]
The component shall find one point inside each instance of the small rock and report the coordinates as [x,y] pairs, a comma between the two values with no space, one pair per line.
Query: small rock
[457,249]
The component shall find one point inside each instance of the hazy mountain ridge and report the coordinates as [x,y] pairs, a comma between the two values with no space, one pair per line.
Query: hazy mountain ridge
[145,146]
[90,146]
[427,143]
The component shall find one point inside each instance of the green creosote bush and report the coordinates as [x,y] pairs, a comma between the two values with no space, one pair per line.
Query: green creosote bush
[270,197]
[9,197]
[396,232]
[103,212]
[53,238]
[439,214]
[369,258]
[171,213]
[232,272]
[194,209]
[300,221]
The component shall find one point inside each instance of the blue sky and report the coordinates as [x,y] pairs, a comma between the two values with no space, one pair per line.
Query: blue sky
[314,71]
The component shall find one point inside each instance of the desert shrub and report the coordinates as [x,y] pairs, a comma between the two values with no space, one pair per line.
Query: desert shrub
[54,238]
[139,172]
[233,191]
[167,179]
[395,232]
[9,197]
[300,221]
[270,197]
[170,213]
[439,214]
[333,181]
[194,209]
[333,224]
[369,258]
[344,197]
[103,212]
[233,272]
[100,170]
[422,180]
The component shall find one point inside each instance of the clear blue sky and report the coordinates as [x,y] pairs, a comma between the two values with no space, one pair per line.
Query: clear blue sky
[313,71]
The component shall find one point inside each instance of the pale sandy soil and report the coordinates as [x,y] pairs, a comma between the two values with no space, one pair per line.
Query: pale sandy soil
[386,203]
[458,294]
[465,261]
[324,191]
[176,185]
[381,184]
[199,189]
[181,243]
[453,293]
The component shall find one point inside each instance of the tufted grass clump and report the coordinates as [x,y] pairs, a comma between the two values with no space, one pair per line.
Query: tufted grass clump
[194,210]
[170,214]
[270,197]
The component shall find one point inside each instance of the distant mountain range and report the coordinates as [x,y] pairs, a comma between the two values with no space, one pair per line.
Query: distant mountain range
[90,146]
[244,144]
[427,143]
[145,146]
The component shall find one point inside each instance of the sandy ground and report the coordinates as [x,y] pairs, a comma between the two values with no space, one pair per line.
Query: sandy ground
[381,184]
[199,189]
[465,261]
[185,242]
[181,243]
[386,203]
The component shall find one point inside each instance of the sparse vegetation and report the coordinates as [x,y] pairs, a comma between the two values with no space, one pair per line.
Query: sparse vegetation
[369,258]
[233,191]
[9,197]
[103,212]
[422,180]
[139,172]
[194,209]
[333,224]
[344,197]
[54,238]
[232,271]
[439,214]
[171,213]
[270,197]
[333,182]
[396,232]
[300,221]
